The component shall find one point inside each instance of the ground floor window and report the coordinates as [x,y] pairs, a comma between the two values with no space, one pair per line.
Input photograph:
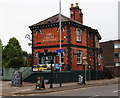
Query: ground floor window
[99,59]
[62,57]
[38,58]
[117,64]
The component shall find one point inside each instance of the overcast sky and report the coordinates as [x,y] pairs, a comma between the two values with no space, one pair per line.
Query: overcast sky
[17,15]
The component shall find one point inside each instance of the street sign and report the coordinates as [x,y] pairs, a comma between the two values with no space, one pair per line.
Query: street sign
[57,66]
[85,62]
[60,50]
[40,83]
[17,78]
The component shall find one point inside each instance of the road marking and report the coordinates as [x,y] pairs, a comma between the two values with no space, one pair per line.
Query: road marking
[71,90]
[93,96]
[21,91]
[116,91]
[96,95]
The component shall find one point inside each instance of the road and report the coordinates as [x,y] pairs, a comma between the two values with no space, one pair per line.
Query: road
[108,90]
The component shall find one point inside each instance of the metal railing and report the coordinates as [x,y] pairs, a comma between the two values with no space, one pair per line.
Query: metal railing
[27,72]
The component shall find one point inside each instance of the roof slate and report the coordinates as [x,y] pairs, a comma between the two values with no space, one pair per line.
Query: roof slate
[55,19]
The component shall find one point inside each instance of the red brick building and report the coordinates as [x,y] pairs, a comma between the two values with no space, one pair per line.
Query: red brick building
[111,55]
[78,41]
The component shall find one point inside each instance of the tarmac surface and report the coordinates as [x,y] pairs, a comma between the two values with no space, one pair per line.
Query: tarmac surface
[29,88]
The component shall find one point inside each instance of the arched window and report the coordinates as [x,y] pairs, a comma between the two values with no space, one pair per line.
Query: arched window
[99,59]
[78,34]
[96,43]
[79,56]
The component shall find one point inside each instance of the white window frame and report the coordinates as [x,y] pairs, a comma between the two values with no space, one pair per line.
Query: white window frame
[78,34]
[79,56]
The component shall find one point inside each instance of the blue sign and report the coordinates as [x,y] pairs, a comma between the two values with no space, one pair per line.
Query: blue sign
[57,66]
[60,50]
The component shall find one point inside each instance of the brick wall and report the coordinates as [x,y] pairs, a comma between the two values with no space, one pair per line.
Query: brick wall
[49,39]
[108,53]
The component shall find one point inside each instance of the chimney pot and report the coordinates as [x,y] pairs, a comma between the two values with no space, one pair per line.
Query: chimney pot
[76,13]
[76,5]
[71,5]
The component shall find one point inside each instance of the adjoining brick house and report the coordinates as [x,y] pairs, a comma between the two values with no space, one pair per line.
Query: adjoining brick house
[111,55]
[78,41]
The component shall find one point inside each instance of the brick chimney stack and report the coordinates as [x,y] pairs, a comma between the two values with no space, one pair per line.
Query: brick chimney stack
[76,13]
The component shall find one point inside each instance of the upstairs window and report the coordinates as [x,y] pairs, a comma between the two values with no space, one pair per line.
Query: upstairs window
[78,34]
[96,43]
[116,45]
[79,57]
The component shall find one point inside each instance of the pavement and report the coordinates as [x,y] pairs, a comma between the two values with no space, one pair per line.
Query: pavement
[29,88]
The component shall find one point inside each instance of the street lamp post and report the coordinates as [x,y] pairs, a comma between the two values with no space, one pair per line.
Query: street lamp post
[60,40]
[84,65]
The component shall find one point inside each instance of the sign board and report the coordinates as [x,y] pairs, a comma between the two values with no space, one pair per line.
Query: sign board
[40,83]
[80,79]
[16,78]
[85,62]
[57,66]
[59,50]
[42,67]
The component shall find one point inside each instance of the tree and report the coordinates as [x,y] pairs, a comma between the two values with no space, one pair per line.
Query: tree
[30,63]
[16,63]
[10,51]
[25,54]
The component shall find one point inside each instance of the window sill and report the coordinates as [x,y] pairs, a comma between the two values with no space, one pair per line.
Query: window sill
[78,41]
[79,64]
[99,65]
